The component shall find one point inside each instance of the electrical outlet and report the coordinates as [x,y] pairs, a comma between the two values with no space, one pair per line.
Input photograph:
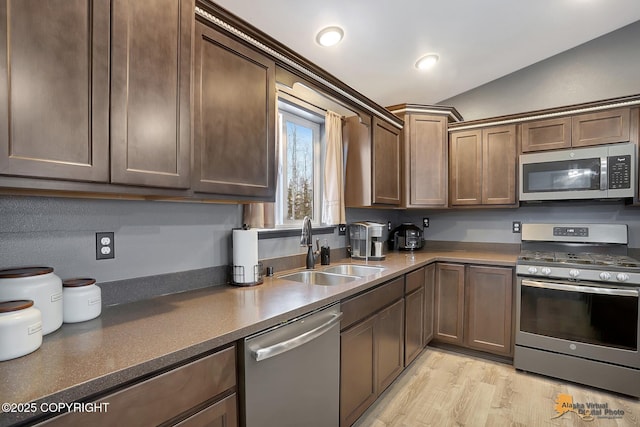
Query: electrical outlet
[516,227]
[388,225]
[425,222]
[105,245]
[342,229]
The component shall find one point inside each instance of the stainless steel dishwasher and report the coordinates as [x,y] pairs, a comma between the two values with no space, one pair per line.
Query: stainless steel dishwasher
[290,373]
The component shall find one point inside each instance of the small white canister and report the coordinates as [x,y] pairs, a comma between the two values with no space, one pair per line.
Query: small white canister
[20,329]
[82,300]
[38,284]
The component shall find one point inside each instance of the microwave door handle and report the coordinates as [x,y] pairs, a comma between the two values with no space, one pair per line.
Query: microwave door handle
[581,289]
[604,176]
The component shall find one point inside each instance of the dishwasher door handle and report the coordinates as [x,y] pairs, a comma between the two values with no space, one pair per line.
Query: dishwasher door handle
[284,346]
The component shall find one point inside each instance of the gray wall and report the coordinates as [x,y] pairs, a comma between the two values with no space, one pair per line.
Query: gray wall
[150,237]
[494,225]
[606,67]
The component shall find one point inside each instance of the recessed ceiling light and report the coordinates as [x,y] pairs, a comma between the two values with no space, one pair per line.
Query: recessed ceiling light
[427,61]
[330,36]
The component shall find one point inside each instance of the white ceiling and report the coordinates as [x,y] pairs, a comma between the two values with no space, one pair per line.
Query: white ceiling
[477,40]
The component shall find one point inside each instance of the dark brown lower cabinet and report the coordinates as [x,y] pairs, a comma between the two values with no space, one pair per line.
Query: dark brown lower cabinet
[414,316]
[489,309]
[371,347]
[429,302]
[180,394]
[449,310]
[389,335]
[357,370]
[474,307]
[223,413]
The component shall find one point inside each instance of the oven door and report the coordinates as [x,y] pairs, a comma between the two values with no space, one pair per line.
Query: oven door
[588,320]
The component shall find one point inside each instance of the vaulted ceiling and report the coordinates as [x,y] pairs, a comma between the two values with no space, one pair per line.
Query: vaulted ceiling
[477,40]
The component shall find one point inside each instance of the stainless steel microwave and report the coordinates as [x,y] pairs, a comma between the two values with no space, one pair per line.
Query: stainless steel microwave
[601,172]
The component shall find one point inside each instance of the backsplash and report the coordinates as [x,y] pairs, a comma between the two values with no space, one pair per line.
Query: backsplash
[151,237]
[494,225]
[165,247]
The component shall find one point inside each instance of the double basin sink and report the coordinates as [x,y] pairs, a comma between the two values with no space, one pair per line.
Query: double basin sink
[334,275]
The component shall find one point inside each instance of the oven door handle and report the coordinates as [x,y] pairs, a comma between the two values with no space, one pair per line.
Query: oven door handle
[581,289]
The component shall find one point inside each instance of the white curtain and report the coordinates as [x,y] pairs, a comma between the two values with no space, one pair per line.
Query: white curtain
[333,211]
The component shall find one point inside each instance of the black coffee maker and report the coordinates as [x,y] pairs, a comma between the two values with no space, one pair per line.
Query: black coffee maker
[405,237]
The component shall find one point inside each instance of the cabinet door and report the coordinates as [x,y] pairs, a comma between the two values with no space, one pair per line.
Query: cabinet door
[449,312]
[151,93]
[603,127]
[386,163]
[234,136]
[427,161]
[489,309]
[465,168]
[414,324]
[389,336]
[549,134]
[357,370]
[499,165]
[54,89]
[414,314]
[223,413]
[429,300]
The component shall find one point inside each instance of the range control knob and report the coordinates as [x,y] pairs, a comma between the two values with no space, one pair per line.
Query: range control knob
[605,276]
[532,270]
[622,277]
[574,272]
[545,271]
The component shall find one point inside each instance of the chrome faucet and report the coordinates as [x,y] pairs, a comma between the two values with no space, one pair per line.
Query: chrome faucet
[307,240]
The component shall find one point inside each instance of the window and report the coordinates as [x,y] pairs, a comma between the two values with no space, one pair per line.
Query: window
[301,154]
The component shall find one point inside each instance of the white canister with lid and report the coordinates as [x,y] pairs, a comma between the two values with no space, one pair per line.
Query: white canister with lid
[82,300]
[20,329]
[38,284]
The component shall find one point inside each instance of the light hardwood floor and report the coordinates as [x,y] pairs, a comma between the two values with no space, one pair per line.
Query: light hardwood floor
[443,388]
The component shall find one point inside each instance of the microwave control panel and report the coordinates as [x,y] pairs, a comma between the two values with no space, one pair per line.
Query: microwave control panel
[619,174]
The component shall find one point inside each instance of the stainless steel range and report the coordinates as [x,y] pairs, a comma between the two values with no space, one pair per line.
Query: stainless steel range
[577,305]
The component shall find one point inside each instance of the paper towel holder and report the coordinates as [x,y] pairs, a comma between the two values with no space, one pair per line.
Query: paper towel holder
[239,278]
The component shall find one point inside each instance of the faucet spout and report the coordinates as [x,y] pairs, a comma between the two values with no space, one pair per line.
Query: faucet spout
[306,239]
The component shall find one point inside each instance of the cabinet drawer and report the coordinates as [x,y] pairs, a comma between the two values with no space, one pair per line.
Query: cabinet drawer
[415,280]
[364,305]
[161,398]
[223,413]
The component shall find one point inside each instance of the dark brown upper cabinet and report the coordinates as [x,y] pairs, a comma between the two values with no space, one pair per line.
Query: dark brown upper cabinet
[424,155]
[602,127]
[54,89]
[151,93]
[373,162]
[235,118]
[97,91]
[482,167]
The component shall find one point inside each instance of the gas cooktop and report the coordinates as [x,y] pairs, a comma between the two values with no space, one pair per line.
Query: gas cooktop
[581,259]
[577,252]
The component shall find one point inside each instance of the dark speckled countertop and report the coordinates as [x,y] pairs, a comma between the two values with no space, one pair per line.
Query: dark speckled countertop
[132,340]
